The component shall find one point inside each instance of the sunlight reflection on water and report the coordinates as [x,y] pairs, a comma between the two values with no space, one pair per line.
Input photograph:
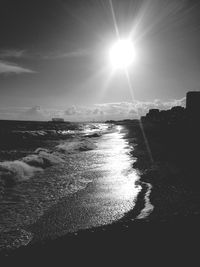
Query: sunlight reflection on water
[108,167]
[118,166]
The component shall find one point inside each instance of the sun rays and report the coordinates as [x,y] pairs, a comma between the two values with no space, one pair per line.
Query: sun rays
[122,56]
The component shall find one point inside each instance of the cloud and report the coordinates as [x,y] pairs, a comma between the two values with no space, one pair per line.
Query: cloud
[62,55]
[34,113]
[71,111]
[12,53]
[24,54]
[117,111]
[24,113]
[9,68]
[97,112]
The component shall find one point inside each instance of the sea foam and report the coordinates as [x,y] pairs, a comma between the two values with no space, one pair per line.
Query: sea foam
[15,171]
[77,145]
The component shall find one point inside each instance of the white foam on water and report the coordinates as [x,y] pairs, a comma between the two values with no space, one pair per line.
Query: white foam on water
[16,170]
[50,158]
[148,206]
[75,163]
[76,145]
[55,173]
[34,160]
[19,170]
[41,149]
[23,169]
[43,158]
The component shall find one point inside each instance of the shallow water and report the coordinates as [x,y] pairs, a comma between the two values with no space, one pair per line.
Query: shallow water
[97,171]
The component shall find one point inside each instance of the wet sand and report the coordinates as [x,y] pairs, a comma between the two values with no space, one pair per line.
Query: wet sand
[120,243]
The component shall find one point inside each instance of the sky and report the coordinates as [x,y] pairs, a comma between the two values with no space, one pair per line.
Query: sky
[54,59]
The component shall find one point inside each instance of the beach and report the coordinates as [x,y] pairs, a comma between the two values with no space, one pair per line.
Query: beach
[83,180]
[160,214]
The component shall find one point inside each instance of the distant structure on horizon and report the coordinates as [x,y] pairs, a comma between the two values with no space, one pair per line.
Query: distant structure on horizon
[58,120]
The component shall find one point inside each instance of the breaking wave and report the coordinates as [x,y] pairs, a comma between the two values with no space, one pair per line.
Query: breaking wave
[43,158]
[23,169]
[15,171]
[45,133]
[76,145]
[40,167]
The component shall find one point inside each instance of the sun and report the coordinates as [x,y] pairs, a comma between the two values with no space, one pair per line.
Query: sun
[122,54]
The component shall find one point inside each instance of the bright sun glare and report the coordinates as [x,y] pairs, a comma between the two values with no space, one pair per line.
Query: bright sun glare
[122,54]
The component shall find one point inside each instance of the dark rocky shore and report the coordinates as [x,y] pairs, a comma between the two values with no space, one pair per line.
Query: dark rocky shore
[170,232]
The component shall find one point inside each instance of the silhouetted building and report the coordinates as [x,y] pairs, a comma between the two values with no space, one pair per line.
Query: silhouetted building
[193,104]
[170,116]
[177,109]
[153,114]
[177,114]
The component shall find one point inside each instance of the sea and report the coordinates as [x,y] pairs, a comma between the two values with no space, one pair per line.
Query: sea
[58,178]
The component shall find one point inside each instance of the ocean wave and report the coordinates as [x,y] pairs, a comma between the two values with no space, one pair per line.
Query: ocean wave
[41,134]
[15,171]
[43,158]
[76,145]
[51,133]
[94,135]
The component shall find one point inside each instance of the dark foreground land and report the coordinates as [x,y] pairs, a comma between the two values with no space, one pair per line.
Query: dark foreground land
[169,160]
[170,235]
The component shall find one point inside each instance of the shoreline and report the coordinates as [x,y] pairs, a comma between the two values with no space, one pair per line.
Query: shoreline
[173,199]
[120,224]
[128,228]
